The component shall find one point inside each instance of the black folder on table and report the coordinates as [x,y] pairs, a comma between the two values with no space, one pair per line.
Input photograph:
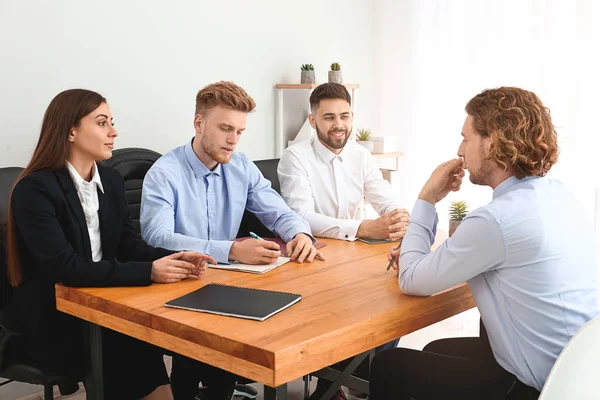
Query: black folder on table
[234,301]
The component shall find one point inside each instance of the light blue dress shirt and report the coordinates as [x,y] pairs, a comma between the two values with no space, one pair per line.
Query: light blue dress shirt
[529,260]
[186,206]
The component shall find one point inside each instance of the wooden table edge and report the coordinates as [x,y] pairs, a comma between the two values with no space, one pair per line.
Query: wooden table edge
[252,370]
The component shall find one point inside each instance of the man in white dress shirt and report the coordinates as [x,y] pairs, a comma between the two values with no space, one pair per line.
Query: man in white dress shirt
[325,178]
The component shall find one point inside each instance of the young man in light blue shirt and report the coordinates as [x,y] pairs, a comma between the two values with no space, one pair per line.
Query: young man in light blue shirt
[531,268]
[194,198]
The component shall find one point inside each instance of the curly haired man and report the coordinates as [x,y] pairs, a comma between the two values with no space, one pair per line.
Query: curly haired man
[531,269]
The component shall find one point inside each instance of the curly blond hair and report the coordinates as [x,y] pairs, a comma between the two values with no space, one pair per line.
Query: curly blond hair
[523,136]
[224,94]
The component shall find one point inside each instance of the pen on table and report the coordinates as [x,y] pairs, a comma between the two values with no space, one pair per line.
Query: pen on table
[393,258]
[255,236]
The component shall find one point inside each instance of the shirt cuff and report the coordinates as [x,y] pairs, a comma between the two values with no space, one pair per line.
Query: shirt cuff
[219,250]
[310,236]
[289,234]
[424,214]
[349,229]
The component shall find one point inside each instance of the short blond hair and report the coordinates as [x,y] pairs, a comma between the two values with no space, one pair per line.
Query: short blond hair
[224,94]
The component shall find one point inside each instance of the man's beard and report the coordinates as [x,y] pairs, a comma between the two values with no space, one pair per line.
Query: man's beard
[329,141]
[214,154]
[481,176]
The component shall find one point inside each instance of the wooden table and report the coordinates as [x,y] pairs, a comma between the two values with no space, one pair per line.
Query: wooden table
[350,304]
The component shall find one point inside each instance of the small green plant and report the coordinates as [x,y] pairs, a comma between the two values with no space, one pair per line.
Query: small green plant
[458,210]
[335,67]
[307,67]
[363,135]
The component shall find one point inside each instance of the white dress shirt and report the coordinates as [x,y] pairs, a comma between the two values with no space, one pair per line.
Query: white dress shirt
[327,189]
[88,195]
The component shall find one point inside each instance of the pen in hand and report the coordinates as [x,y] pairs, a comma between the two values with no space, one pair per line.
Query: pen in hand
[255,236]
[393,258]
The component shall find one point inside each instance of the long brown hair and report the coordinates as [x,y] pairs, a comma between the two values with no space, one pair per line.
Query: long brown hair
[52,150]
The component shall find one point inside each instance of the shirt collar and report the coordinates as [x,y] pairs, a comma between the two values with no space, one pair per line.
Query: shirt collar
[200,170]
[507,185]
[79,181]
[326,154]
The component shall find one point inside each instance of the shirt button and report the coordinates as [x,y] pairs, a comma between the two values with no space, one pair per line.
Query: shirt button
[212,215]
[210,191]
[346,236]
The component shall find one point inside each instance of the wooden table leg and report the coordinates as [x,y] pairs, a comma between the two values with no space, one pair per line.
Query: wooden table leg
[278,393]
[94,384]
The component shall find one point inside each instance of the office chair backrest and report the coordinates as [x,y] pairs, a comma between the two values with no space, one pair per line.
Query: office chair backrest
[249,221]
[8,176]
[575,372]
[133,164]
[269,171]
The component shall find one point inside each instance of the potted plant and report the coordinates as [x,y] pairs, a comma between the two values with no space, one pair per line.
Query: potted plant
[457,212]
[363,137]
[308,74]
[335,75]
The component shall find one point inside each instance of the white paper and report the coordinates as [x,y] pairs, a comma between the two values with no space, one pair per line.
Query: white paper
[254,269]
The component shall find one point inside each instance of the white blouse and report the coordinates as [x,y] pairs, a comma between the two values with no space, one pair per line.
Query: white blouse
[88,196]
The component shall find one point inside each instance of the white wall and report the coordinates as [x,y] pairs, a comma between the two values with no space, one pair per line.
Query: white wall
[432,56]
[149,59]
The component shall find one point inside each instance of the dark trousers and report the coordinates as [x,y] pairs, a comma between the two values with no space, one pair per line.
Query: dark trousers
[187,373]
[460,368]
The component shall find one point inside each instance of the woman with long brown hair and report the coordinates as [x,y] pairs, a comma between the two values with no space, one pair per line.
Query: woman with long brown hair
[68,221]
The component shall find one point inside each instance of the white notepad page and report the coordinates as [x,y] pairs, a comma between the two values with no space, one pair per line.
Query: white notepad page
[254,269]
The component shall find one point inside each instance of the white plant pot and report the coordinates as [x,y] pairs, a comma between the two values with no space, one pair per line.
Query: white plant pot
[452,226]
[367,144]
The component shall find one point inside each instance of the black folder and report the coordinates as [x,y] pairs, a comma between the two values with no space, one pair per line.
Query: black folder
[234,301]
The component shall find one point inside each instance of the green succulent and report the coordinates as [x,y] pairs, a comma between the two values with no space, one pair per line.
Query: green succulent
[335,67]
[363,135]
[307,67]
[458,210]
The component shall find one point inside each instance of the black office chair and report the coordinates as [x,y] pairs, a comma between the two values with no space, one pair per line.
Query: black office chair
[13,364]
[249,221]
[133,164]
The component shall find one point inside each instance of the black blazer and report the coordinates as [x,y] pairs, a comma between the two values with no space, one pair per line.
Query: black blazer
[55,247]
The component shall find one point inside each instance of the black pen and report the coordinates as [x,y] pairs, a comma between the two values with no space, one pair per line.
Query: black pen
[393,258]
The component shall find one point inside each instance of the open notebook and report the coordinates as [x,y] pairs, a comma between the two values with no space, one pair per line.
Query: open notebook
[235,301]
[260,269]
[254,269]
